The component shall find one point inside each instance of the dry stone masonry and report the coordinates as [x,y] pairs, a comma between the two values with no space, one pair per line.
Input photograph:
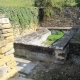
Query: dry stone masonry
[7,60]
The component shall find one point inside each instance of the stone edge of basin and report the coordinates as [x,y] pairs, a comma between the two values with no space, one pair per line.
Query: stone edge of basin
[61,47]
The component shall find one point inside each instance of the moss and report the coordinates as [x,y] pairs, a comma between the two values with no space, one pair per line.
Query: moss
[53,37]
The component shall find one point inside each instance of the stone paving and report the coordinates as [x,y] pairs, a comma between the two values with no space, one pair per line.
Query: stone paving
[24,66]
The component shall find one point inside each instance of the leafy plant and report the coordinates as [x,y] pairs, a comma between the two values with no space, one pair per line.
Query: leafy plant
[53,37]
[48,5]
[56,36]
[21,15]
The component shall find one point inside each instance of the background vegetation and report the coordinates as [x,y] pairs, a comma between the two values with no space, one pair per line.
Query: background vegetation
[20,12]
[50,4]
[23,12]
[17,3]
[21,15]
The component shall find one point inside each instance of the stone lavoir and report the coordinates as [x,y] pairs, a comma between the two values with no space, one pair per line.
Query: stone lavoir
[7,61]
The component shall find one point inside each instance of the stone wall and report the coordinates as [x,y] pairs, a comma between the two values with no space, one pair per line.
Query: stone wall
[7,60]
[69,16]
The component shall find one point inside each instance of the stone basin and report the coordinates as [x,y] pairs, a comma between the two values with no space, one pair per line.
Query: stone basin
[30,47]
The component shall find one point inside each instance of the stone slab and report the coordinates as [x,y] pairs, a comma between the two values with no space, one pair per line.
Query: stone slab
[1,56]
[35,38]
[12,73]
[6,48]
[5,26]
[7,34]
[3,43]
[6,59]
[3,71]
[25,66]
[4,20]
[7,30]
[9,39]
[9,52]
[60,44]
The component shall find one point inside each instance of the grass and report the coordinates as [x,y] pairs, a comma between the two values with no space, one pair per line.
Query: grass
[16,3]
[53,37]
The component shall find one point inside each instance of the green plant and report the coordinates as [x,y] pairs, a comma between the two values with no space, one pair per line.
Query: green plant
[56,36]
[21,16]
[48,5]
[53,37]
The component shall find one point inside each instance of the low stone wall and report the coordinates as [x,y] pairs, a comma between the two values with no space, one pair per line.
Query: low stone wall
[55,53]
[7,60]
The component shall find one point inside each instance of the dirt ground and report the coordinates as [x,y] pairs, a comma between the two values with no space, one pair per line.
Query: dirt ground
[50,71]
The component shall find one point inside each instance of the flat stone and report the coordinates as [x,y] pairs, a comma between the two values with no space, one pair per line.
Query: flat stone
[5,26]
[8,30]
[60,44]
[25,66]
[3,70]
[10,52]
[9,39]
[35,38]
[4,20]
[7,34]
[6,48]
[3,43]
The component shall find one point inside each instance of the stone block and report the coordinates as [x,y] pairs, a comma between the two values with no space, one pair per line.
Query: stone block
[4,20]
[6,26]
[10,39]
[61,55]
[8,69]
[7,35]
[7,30]
[6,59]
[3,43]
[1,31]
[6,48]
[3,71]
[12,73]
[1,56]
[9,52]
[12,65]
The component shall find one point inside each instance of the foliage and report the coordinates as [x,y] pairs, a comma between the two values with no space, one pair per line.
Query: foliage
[49,4]
[16,3]
[20,15]
[56,36]
[53,37]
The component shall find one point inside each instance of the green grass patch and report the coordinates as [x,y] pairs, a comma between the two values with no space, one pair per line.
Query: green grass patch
[53,37]
[16,3]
